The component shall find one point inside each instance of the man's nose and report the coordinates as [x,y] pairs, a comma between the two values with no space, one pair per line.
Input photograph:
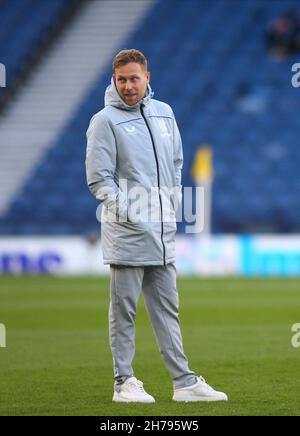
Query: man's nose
[128,86]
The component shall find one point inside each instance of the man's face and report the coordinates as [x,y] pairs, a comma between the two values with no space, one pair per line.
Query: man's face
[131,81]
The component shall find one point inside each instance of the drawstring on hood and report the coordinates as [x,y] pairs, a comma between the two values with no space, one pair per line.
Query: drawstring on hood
[113,98]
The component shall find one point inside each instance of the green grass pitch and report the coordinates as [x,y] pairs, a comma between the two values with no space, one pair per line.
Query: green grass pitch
[237,334]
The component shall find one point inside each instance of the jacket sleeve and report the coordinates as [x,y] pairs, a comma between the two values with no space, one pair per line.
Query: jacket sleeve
[178,160]
[101,158]
[178,154]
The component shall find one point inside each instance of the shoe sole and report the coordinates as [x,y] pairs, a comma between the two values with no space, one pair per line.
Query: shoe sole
[126,400]
[199,399]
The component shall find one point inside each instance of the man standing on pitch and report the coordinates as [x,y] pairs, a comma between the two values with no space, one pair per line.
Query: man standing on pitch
[134,141]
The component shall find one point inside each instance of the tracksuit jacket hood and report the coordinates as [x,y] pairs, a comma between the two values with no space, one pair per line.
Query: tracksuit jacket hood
[132,147]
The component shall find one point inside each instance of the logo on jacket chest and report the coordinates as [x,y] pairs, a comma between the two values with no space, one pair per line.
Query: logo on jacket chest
[131,130]
[163,128]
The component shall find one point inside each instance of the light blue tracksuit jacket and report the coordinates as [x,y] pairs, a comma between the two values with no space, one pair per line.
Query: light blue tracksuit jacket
[135,146]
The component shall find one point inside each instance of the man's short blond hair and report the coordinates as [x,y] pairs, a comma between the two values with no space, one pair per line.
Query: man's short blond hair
[125,56]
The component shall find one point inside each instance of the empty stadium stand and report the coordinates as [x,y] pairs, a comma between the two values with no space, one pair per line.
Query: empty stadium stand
[209,61]
[26,26]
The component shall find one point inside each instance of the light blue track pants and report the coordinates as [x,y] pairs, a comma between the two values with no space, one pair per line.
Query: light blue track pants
[158,284]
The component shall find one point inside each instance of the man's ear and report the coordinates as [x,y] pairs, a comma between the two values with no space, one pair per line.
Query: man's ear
[114,77]
[148,76]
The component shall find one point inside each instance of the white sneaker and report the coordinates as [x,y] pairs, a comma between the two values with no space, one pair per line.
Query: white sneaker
[200,391]
[132,391]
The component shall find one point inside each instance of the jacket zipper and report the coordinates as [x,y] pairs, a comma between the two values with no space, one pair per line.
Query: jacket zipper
[158,183]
